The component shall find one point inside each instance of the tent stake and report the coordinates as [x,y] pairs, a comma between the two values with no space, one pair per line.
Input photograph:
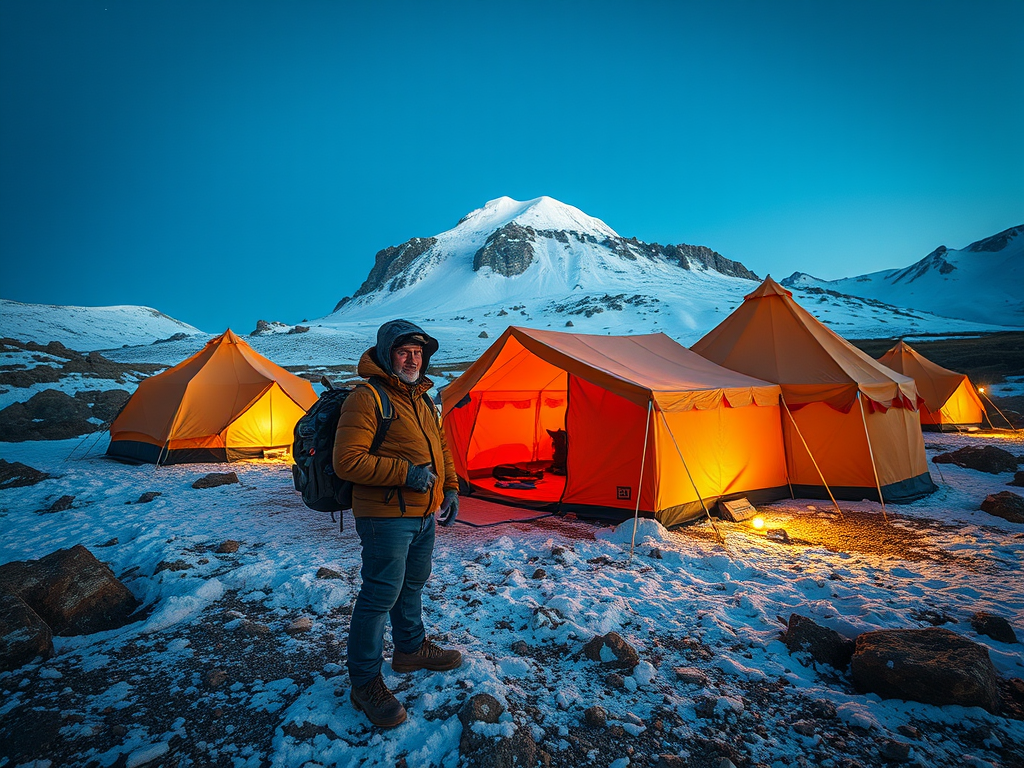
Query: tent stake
[871,454]
[640,484]
[718,534]
[815,463]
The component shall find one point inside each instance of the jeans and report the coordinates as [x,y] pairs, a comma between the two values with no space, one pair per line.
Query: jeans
[396,563]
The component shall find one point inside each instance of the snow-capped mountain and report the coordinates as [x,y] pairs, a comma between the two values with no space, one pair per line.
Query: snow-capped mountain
[88,328]
[982,282]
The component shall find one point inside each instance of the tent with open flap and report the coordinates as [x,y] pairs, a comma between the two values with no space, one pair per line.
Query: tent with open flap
[949,400]
[224,403]
[856,421]
[649,425]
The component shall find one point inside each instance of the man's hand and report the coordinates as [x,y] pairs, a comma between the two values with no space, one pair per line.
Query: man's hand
[420,477]
[449,508]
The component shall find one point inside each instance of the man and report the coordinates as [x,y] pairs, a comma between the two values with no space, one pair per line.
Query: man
[397,489]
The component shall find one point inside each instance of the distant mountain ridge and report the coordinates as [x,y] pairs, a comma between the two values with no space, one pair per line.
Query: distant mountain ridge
[981,283]
[514,236]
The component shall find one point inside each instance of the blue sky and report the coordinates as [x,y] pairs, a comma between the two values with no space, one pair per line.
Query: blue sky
[229,161]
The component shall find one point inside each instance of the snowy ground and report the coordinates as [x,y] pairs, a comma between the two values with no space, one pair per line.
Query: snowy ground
[150,693]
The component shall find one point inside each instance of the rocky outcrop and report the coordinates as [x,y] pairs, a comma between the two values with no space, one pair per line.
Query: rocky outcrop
[54,415]
[72,591]
[824,645]
[995,243]
[932,666]
[14,474]
[1005,504]
[23,635]
[508,250]
[390,268]
[984,459]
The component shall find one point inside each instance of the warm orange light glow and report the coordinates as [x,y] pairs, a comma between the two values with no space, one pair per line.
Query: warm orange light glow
[982,390]
[758,522]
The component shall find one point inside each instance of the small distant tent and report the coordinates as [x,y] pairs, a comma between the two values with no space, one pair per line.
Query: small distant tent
[950,401]
[649,424]
[857,421]
[224,403]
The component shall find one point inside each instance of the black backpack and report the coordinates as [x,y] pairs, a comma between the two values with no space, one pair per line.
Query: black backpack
[313,449]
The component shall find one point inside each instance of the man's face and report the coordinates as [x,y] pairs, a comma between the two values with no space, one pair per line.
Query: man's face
[407,362]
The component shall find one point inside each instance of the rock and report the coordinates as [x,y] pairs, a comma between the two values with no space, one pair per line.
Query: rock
[253,629]
[611,651]
[300,625]
[895,751]
[909,731]
[984,459]
[568,324]
[993,626]
[1018,479]
[825,646]
[61,504]
[804,728]
[1005,504]
[327,573]
[72,591]
[14,474]
[520,648]
[595,717]
[670,761]
[540,573]
[691,676]
[616,681]
[173,565]
[299,329]
[228,547]
[111,542]
[47,415]
[932,666]
[483,335]
[482,707]
[215,479]
[1012,691]
[23,635]
[105,404]
[655,554]
[147,497]
[514,752]
[215,677]
[508,250]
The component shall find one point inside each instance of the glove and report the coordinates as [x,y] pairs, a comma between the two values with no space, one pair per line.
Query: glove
[449,508]
[420,477]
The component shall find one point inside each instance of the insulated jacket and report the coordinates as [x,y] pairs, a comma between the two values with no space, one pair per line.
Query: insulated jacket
[415,435]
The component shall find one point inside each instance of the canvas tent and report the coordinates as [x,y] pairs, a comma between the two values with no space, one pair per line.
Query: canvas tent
[226,402]
[949,400]
[856,419]
[626,403]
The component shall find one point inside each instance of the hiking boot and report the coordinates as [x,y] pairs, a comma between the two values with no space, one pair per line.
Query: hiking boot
[429,656]
[378,703]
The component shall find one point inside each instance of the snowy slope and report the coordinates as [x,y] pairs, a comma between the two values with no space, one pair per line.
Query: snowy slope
[87,328]
[983,282]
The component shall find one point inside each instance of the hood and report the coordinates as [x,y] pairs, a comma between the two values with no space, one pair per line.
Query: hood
[388,336]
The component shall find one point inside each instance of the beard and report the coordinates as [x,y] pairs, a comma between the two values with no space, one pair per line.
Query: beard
[408,377]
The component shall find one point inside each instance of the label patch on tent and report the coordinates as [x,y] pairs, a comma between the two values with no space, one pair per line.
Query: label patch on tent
[624,492]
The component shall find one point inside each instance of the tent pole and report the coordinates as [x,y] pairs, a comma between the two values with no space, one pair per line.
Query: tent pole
[700,498]
[1008,422]
[815,463]
[871,454]
[640,484]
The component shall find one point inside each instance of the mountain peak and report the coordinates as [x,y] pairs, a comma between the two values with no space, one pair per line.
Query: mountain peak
[541,213]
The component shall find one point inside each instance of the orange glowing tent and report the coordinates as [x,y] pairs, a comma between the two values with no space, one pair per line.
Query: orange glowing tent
[950,401]
[226,402]
[650,425]
[857,429]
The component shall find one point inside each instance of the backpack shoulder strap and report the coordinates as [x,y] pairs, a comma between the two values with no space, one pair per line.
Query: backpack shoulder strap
[385,413]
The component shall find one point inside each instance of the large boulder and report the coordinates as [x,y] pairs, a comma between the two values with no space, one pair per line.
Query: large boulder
[14,474]
[47,415]
[825,646]
[987,458]
[72,591]
[993,626]
[933,666]
[1005,504]
[23,635]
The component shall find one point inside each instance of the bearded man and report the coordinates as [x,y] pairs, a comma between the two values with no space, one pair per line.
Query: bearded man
[397,489]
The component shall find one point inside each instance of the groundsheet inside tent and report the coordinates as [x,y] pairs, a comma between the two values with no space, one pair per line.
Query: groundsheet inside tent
[855,417]
[949,399]
[225,402]
[649,425]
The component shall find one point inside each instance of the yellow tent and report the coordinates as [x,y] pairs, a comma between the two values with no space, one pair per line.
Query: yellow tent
[648,424]
[949,398]
[226,402]
[855,417]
